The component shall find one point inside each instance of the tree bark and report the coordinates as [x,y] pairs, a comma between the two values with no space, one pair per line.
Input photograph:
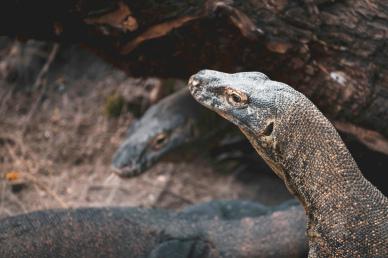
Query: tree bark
[334,51]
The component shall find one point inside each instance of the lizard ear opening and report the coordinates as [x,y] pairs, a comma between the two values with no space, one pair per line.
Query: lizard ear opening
[269,129]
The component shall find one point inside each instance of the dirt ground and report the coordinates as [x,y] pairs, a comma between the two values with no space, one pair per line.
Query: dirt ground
[57,139]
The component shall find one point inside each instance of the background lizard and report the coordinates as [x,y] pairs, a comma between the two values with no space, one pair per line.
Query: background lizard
[348,216]
[172,124]
[234,229]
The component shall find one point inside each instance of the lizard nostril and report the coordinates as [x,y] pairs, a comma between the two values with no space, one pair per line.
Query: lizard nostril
[194,82]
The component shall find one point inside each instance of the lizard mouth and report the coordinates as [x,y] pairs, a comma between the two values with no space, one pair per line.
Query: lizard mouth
[127,171]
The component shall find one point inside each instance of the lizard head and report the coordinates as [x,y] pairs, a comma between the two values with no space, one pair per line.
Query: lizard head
[164,128]
[251,101]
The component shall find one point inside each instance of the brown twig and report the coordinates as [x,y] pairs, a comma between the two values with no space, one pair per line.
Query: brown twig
[46,66]
[164,190]
[33,179]
[38,82]
[180,197]
[5,97]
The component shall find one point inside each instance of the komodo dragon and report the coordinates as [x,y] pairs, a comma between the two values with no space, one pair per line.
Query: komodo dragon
[217,229]
[348,216]
[167,126]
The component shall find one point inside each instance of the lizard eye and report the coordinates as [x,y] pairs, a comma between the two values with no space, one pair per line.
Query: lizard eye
[236,98]
[159,141]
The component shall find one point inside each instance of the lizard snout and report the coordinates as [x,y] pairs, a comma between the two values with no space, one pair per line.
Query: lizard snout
[194,82]
[129,170]
[204,79]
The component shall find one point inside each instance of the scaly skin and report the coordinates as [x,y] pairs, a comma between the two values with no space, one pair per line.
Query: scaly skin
[348,216]
[209,230]
[166,127]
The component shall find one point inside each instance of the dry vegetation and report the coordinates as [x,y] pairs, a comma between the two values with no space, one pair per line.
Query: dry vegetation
[58,134]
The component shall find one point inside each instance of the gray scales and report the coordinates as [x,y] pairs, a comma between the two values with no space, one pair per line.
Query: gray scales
[226,228]
[347,215]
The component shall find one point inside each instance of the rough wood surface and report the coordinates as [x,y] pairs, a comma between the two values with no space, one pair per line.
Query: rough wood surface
[334,51]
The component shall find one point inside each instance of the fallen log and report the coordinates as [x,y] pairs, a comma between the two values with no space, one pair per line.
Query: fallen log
[334,51]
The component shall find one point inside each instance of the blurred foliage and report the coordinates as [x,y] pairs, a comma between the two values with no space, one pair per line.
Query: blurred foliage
[114,105]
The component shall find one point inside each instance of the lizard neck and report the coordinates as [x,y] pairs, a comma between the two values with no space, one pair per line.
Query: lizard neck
[320,171]
[325,178]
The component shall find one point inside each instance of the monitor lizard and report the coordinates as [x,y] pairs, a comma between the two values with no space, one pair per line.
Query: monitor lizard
[347,215]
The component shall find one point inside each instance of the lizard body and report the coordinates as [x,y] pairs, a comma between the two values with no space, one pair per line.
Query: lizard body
[202,231]
[348,216]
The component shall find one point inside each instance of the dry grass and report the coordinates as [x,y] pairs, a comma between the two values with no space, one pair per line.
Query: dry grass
[59,155]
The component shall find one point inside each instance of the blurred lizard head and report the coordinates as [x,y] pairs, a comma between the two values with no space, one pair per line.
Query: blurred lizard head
[166,126]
